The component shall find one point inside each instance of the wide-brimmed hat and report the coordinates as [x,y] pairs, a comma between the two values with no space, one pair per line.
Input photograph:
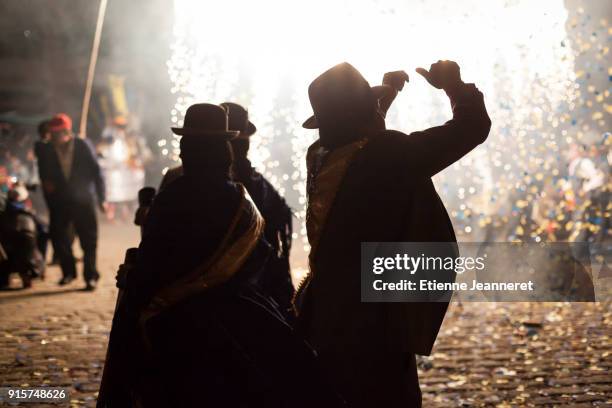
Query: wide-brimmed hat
[206,119]
[238,118]
[342,94]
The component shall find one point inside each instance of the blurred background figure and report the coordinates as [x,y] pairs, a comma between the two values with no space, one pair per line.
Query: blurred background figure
[73,183]
[123,157]
[146,195]
[41,149]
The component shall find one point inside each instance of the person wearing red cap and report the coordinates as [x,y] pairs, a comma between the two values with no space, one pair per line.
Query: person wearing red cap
[72,182]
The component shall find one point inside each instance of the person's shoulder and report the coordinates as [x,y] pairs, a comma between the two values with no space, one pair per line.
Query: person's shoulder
[313,147]
[39,145]
[171,175]
[194,189]
[271,191]
[175,199]
[177,186]
[390,150]
[41,149]
[83,144]
[230,189]
[387,140]
[258,177]
[391,135]
[174,172]
[312,151]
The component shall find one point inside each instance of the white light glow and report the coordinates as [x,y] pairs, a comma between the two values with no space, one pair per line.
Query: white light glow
[263,54]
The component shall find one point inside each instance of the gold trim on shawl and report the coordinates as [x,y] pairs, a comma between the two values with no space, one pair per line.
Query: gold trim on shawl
[219,268]
[325,187]
[322,191]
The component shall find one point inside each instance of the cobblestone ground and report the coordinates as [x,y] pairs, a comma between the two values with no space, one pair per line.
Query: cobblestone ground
[521,354]
[57,335]
[498,355]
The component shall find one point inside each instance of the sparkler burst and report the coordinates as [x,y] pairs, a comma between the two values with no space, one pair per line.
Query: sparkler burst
[264,54]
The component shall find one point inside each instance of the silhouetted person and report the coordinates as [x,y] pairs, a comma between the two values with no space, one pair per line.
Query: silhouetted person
[42,149]
[276,279]
[368,184]
[193,329]
[145,200]
[73,185]
[44,137]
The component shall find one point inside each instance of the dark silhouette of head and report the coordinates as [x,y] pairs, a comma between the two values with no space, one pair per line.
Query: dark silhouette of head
[241,148]
[239,120]
[344,105]
[205,144]
[43,130]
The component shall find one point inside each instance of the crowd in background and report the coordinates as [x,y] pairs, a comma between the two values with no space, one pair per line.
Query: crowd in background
[569,203]
[121,149]
[52,182]
[572,205]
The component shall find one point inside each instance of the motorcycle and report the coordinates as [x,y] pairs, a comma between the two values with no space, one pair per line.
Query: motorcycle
[19,234]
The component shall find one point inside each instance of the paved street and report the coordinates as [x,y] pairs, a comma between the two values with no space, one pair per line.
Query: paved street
[58,335]
[485,356]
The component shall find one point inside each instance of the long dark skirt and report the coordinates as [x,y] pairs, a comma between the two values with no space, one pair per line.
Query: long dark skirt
[220,350]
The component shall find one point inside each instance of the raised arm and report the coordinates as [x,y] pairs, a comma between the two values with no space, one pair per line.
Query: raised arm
[434,149]
[395,81]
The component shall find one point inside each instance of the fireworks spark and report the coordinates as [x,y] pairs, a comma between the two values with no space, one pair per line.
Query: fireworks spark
[264,54]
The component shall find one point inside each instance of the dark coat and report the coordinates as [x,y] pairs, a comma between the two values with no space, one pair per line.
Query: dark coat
[85,184]
[387,196]
[276,280]
[225,346]
[186,224]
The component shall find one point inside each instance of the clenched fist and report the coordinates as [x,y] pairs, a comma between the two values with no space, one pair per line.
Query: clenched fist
[442,75]
[395,79]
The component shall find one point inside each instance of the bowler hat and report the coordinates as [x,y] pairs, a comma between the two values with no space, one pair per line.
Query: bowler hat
[239,119]
[205,119]
[342,94]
